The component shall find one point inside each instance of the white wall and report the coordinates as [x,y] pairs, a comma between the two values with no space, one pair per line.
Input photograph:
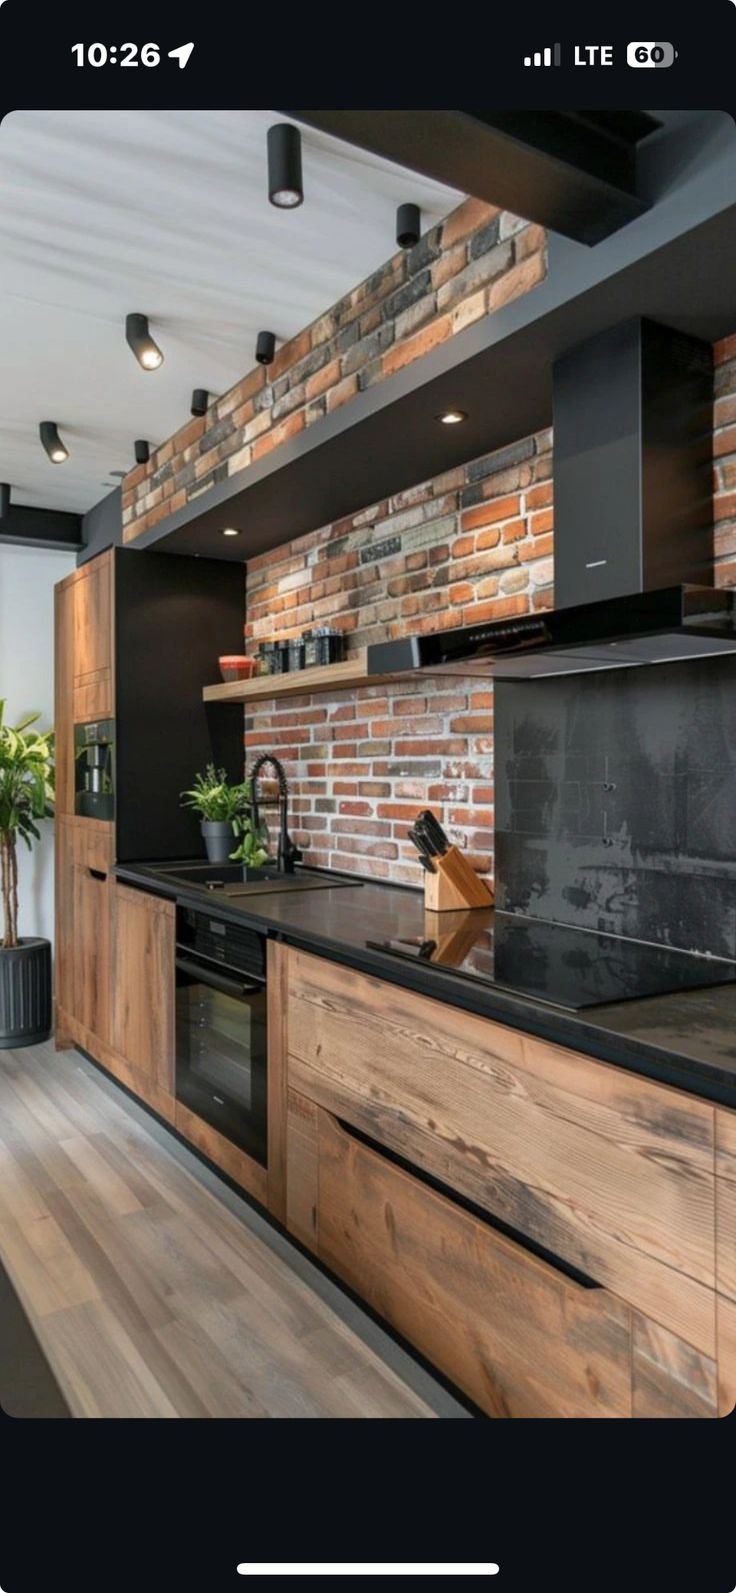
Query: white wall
[27,580]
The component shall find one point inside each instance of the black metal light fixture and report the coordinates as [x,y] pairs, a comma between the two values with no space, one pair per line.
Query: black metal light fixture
[265,347]
[142,451]
[48,431]
[4,499]
[408,226]
[285,187]
[138,337]
[200,401]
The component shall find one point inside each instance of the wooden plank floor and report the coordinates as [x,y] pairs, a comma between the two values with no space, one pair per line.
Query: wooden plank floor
[148,1295]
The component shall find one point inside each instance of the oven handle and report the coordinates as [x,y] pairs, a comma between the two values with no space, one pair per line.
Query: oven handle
[219,981]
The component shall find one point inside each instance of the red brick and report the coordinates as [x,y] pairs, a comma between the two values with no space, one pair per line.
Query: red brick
[289,354]
[412,348]
[725,350]
[541,522]
[539,497]
[342,393]
[724,507]
[469,217]
[520,279]
[495,509]
[329,376]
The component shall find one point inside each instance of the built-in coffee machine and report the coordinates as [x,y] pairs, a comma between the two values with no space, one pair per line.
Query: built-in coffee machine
[94,769]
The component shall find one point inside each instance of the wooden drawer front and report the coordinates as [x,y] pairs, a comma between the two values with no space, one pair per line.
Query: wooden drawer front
[93,619]
[726,1256]
[143,979]
[518,1337]
[93,699]
[94,845]
[612,1173]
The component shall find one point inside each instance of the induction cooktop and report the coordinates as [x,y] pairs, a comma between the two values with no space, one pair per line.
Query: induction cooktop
[562,966]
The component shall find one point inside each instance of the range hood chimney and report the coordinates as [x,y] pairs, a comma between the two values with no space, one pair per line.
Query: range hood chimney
[633,522]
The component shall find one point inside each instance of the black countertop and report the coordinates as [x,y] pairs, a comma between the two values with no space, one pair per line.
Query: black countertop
[687,1039]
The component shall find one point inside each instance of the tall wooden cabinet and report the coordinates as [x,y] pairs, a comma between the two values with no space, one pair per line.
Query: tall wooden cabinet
[137,636]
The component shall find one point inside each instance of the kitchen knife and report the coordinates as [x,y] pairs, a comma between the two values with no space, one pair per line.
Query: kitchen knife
[422,847]
[429,826]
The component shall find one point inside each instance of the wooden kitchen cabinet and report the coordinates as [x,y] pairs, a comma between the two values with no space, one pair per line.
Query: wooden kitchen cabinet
[415,1131]
[142,984]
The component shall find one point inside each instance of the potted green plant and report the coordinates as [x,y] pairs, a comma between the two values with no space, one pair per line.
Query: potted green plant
[26,795]
[223,808]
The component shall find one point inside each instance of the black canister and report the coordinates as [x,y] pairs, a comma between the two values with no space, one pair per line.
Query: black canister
[296,653]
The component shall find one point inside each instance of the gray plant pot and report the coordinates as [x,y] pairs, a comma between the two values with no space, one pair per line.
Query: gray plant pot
[218,839]
[25,994]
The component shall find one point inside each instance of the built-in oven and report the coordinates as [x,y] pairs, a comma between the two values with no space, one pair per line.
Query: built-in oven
[221,1032]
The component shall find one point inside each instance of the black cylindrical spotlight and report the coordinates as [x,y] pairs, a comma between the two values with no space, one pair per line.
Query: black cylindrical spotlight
[285,188]
[265,347]
[200,401]
[48,431]
[138,337]
[408,226]
[142,451]
[4,499]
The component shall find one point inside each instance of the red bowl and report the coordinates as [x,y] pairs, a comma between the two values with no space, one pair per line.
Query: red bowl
[235,666]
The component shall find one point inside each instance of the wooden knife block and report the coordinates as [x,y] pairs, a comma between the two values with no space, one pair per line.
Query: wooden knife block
[454,885]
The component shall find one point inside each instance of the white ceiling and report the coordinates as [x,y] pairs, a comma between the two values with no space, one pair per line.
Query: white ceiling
[164,212]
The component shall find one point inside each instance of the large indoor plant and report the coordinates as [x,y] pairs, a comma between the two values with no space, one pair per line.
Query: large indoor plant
[26,795]
[225,812]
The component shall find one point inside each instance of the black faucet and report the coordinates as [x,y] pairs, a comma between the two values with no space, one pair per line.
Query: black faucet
[287,854]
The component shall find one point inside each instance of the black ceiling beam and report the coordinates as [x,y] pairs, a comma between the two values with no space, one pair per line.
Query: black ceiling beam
[41,528]
[572,171]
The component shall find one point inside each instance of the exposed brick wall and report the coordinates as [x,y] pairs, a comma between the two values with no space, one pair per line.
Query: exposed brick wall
[473,544]
[478,259]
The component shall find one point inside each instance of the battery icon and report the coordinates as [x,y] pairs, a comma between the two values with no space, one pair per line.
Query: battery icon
[641,54]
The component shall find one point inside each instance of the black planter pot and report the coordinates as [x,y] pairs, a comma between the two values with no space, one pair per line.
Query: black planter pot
[25,994]
[219,839]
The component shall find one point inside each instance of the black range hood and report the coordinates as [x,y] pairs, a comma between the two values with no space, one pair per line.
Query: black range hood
[633,523]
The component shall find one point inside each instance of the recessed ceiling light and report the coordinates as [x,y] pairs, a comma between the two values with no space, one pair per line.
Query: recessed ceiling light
[138,337]
[49,433]
[229,531]
[285,187]
[452,417]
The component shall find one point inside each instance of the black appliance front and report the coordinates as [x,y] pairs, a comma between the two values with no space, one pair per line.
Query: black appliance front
[221,1028]
[94,769]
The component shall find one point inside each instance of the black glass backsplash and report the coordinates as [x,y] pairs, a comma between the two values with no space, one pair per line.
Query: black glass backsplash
[616,802]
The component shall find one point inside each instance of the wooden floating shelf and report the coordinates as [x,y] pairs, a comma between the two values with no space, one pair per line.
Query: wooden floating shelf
[352,671]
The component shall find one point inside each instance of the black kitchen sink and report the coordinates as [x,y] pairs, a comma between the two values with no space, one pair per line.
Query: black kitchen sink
[234,879]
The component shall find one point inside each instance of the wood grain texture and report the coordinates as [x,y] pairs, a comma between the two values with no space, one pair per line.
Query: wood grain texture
[63,691]
[139,1083]
[230,1158]
[277,1013]
[149,1297]
[91,930]
[726,1317]
[454,885]
[143,975]
[611,1172]
[726,1201]
[303,1169]
[93,621]
[670,1378]
[520,1338]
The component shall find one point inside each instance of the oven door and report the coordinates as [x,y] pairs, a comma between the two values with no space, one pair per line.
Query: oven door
[221,1050]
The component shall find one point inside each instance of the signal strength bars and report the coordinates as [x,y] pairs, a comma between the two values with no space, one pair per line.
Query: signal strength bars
[551,55]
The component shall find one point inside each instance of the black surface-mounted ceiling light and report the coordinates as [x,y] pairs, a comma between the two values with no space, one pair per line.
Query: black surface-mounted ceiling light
[200,401]
[265,347]
[48,431]
[285,188]
[4,499]
[138,337]
[142,451]
[408,226]
[452,417]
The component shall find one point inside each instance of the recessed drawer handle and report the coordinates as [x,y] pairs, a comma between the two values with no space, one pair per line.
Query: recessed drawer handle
[97,873]
[436,1185]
